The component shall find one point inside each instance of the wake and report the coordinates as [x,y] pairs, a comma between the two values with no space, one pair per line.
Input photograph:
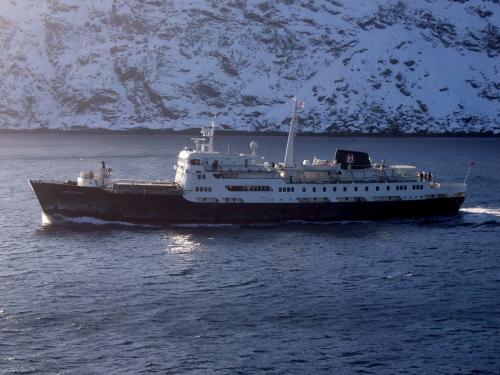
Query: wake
[482,211]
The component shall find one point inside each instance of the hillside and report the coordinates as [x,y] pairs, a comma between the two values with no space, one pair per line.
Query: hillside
[360,66]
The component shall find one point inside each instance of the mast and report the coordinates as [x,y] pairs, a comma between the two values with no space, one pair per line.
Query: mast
[289,157]
[210,133]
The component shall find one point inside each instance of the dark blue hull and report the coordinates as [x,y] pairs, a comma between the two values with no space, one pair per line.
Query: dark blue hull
[73,201]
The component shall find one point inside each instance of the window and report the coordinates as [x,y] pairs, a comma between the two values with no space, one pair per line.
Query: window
[334,188]
[377,188]
[314,189]
[405,187]
[355,188]
[250,188]
[397,187]
[303,189]
[366,188]
[203,177]
[345,188]
[280,190]
[324,189]
[197,188]
[388,188]
[293,189]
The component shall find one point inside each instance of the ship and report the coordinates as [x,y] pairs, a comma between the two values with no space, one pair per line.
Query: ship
[212,187]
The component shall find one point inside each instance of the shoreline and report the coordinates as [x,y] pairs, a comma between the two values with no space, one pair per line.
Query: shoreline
[196,131]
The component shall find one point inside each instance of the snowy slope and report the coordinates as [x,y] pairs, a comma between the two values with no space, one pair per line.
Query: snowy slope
[370,66]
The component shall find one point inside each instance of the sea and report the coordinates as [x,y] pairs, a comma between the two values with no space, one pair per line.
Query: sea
[352,297]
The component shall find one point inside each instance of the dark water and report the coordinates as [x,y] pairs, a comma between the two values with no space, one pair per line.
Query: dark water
[356,297]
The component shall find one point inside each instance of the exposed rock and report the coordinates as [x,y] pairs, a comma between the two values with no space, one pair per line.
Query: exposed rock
[383,66]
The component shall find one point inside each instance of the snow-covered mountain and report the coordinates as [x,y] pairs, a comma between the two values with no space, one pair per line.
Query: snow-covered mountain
[360,65]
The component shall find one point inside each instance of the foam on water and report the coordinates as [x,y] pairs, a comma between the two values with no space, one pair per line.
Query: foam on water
[45,220]
[482,211]
[90,221]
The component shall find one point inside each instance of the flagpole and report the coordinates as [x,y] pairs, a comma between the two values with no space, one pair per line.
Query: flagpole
[468,172]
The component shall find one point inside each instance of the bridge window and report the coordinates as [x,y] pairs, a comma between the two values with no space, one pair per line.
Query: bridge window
[194,162]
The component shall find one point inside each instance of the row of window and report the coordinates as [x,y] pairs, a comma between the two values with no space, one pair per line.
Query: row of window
[292,189]
[201,176]
[249,188]
[367,188]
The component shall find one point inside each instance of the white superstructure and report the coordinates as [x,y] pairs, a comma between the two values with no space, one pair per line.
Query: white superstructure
[208,176]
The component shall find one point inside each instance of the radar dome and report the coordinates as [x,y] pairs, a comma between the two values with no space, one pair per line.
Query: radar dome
[253,147]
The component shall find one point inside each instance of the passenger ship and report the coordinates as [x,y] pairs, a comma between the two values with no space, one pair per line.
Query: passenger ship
[216,187]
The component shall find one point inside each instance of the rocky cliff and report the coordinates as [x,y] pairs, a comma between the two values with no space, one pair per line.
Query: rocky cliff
[360,66]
